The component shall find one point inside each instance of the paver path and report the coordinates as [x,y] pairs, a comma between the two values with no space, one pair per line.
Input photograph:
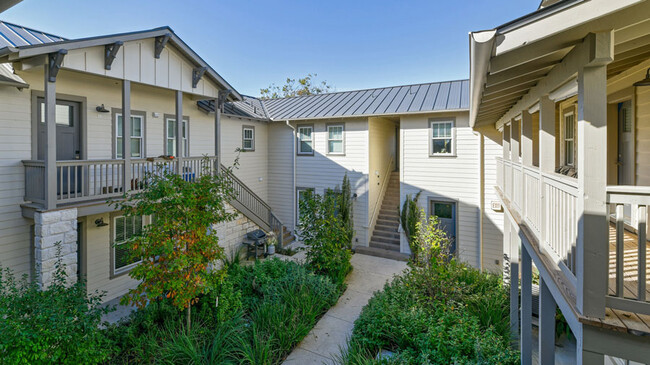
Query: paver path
[331,333]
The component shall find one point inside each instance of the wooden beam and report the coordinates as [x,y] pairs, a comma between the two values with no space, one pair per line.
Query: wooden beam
[55,59]
[51,180]
[197,74]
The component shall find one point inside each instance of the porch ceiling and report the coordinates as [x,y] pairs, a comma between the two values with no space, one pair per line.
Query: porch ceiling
[512,71]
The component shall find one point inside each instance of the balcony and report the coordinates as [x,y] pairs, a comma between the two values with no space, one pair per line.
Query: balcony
[545,205]
[95,181]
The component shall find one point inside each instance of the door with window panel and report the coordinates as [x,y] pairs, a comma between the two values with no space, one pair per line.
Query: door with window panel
[446,213]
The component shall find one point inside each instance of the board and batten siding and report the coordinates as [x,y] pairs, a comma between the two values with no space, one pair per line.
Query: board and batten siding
[381,155]
[280,172]
[135,61]
[253,165]
[322,170]
[15,146]
[444,177]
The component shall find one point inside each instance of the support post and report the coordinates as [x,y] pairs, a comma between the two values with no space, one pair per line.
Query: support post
[515,137]
[591,208]
[179,132]
[526,138]
[217,132]
[506,142]
[547,309]
[126,133]
[546,134]
[50,137]
[526,337]
[515,245]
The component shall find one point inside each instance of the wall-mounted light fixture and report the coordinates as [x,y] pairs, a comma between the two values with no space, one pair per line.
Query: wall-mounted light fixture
[644,82]
[99,222]
[101,109]
[354,196]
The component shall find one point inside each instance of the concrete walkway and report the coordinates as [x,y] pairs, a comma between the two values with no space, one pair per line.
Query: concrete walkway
[332,332]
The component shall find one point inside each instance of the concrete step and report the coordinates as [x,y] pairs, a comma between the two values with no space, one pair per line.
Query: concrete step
[378,252]
[385,226]
[381,239]
[391,234]
[388,216]
[384,246]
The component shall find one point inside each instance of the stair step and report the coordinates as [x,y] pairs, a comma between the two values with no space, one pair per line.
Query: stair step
[392,234]
[388,216]
[380,239]
[378,252]
[387,227]
[384,246]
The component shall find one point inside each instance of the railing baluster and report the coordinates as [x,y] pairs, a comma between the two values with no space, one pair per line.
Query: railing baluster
[642,223]
[620,221]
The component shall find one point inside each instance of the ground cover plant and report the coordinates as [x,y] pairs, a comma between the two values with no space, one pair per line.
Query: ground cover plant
[440,311]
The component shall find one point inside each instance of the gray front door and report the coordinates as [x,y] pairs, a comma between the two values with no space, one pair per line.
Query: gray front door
[446,213]
[68,142]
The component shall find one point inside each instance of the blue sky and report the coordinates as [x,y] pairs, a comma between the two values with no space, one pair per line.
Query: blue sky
[353,44]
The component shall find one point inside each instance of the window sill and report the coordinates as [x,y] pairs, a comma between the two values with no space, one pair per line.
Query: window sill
[123,270]
[447,155]
[336,154]
[305,154]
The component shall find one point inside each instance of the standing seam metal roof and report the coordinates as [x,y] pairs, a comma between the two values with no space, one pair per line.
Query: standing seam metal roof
[13,35]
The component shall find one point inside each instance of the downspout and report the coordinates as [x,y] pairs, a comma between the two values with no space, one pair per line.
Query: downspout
[481,182]
[294,173]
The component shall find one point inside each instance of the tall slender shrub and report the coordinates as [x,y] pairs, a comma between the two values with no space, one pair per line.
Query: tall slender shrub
[409,218]
[345,209]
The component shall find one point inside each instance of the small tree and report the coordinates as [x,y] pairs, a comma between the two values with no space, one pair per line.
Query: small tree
[409,218]
[177,248]
[431,244]
[293,87]
[345,209]
[322,229]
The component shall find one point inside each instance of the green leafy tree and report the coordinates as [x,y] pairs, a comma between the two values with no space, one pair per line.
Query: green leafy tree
[345,210]
[296,87]
[178,247]
[322,229]
[409,218]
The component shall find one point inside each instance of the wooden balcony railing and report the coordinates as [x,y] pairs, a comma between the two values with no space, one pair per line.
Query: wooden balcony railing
[547,203]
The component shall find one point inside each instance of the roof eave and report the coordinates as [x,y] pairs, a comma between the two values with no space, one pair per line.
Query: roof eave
[421,112]
[481,49]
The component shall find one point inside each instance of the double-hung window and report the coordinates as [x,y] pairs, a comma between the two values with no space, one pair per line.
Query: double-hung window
[442,138]
[335,142]
[137,136]
[305,140]
[248,138]
[569,138]
[171,137]
[124,230]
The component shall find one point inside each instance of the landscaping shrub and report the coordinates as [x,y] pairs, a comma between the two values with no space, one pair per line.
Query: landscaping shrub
[439,312]
[57,325]
[323,230]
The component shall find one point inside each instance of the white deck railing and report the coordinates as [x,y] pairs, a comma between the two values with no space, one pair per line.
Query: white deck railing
[629,278]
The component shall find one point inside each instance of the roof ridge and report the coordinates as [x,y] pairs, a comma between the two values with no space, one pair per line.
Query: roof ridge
[366,89]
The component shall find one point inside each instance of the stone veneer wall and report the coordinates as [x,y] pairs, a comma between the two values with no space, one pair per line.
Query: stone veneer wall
[53,231]
[232,234]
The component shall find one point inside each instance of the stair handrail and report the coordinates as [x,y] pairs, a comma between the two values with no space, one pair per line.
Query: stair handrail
[249,199]
[382,193]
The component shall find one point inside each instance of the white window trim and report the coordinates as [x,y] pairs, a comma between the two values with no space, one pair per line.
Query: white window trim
[185,139]
[568,108]
[300,152]
[129,267]
[452,153]
[142,141]
[342,153]
[252,139]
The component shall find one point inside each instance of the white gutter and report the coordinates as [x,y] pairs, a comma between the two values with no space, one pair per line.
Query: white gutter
[481,48]
[294,173]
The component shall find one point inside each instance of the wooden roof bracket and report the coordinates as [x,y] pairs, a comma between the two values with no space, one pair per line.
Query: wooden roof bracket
[54,61]
[110,51]
[161,42]
[197,73]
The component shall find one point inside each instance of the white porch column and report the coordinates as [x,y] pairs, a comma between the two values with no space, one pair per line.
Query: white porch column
[126,133]
[593,235]
[179,132]
[506,142]
[546,134]
[547,310]
[515,137]
[526,138]
[526,339]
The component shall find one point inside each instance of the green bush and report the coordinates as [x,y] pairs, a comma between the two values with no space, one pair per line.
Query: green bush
[322,229]
[57,325]
[439,312]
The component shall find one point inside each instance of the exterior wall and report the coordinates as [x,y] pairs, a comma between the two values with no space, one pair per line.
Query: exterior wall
[492,221]
[322,170]
[15,145]
[253,165]
[97,137]
[280,172]
[381,155]
[446,178]
[55,238]
[642,136]
[232,234]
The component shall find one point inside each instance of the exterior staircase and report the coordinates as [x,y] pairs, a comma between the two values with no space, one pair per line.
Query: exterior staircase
[385,239]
